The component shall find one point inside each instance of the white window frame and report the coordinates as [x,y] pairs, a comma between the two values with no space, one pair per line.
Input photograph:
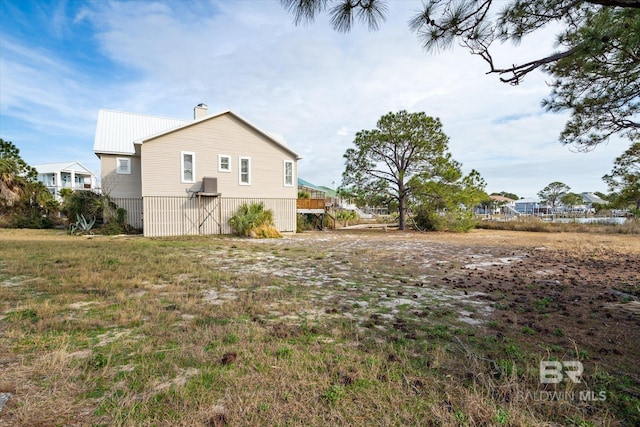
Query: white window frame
[223,156]
[284,173]
[128,168]
[240,160]
[193,167]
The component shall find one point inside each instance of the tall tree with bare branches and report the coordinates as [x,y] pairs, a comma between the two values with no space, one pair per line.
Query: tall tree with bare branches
[596,70]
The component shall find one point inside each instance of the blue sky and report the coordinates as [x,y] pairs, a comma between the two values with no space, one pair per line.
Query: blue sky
[61,61]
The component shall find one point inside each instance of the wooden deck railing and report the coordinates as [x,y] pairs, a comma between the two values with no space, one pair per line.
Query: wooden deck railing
[310,204]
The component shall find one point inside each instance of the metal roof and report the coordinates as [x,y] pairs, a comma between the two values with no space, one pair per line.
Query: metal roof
[116,131]
[330,192]
[593,198]
[57,167]
[501,198]
[303,183]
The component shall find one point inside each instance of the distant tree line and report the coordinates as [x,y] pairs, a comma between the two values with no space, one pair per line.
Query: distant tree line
[404,165]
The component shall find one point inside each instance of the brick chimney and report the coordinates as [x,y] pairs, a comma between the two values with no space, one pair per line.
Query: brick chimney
[200,111]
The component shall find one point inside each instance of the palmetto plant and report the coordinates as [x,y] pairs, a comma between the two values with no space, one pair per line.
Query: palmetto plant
[250,217]
[346,216]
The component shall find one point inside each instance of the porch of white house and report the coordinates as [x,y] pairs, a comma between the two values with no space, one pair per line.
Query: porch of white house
[59,180]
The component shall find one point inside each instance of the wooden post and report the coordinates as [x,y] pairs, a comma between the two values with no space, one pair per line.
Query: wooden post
[199,214]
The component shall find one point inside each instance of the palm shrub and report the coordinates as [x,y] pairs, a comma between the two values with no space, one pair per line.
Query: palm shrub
[85,203]
[253,220]
[109,219]
[346,216]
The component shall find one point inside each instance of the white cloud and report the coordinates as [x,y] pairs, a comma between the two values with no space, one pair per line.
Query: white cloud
[314,86]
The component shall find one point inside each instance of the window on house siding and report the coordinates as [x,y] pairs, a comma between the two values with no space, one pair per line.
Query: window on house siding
[224,163]
[245,171]
[288,173]
[188,168]
[123,165]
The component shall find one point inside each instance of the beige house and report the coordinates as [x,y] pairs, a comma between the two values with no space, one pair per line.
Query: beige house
[178,177]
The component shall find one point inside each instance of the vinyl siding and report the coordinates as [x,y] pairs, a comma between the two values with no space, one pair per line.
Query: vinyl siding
[120,186]
[134,210]
[224,134]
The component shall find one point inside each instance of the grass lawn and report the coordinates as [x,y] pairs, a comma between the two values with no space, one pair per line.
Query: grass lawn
[332,328]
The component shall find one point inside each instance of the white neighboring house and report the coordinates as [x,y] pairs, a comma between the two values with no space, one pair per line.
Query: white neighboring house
[590,199]
[73,175]
[528,206]
[503,205]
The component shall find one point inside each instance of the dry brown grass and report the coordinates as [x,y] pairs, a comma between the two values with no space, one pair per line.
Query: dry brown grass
[199,331]
[631,226]
[530,239]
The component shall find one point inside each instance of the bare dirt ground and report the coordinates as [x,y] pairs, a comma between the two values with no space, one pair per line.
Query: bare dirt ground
[575,295]
[355,327]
